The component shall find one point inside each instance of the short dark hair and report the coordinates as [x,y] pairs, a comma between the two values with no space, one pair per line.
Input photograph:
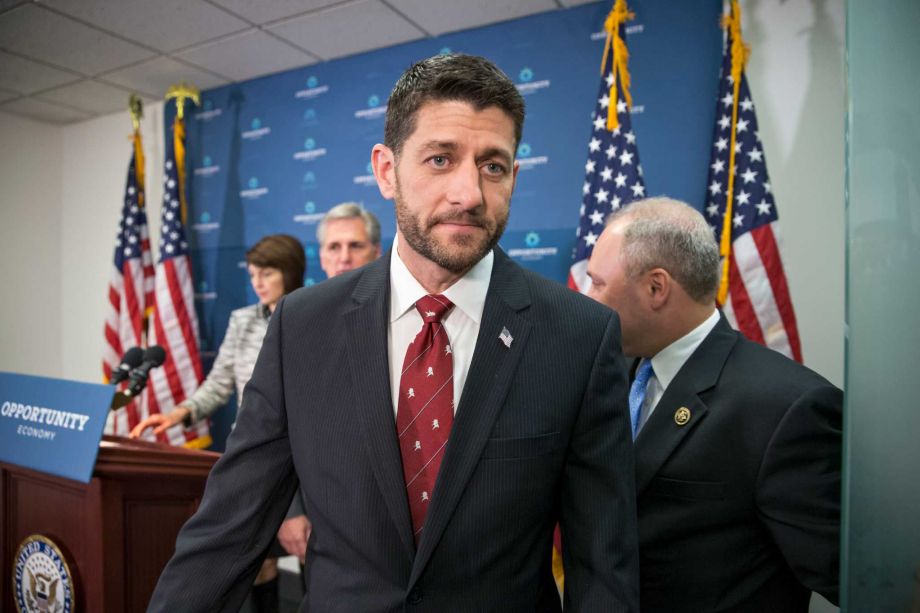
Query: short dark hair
[465,78]
[281,251]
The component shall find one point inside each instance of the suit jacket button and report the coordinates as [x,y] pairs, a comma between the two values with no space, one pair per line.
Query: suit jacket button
[415,596]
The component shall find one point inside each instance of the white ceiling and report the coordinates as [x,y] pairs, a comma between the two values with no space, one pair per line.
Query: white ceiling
[63,61]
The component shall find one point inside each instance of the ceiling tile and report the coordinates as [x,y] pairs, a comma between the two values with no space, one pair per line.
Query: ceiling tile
[155,76]
[6,5]
[576,2]
[89,96]
[347,29]
[43,111]
[166,25]
[246,56]
[26,76]
[264,11]
[440,16]
[6,94]
[41,34]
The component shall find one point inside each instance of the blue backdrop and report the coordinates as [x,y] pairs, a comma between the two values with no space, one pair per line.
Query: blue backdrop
[273,154]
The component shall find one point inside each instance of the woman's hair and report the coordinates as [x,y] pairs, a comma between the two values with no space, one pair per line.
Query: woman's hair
[284,252]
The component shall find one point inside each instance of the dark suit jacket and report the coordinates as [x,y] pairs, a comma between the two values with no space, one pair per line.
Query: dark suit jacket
[739,509]
[541,434]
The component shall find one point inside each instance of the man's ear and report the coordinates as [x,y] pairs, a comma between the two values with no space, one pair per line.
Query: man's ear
[658,285]
[384,162]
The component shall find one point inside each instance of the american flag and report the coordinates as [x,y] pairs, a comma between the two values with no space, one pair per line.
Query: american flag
[613,176]
[130,284]
[174,324]
[757,301]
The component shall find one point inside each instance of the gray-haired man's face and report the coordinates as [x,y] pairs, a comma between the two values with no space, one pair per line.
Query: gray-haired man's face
[346,246]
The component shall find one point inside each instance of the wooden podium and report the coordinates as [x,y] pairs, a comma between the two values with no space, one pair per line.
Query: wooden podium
[116,532]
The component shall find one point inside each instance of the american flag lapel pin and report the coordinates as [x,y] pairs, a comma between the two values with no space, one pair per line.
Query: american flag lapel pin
[505,337]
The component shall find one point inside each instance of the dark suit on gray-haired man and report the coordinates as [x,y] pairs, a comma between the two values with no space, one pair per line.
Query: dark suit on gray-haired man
[737,447]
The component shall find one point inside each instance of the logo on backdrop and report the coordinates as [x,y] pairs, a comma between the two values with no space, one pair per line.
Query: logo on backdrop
[205,292]
[256,130]
[527,159]
[208,111]
[312,90]
[41,577]
[309,180]
[254,190]
[367,179]
[208,167]
[376,108]
[532,251]
[310,117]
[205,224]
[526,83]
[309,215]
[310,151]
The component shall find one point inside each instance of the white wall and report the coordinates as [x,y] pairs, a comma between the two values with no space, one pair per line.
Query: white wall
[59,242]
[94,169]
[30,246]
[796,74]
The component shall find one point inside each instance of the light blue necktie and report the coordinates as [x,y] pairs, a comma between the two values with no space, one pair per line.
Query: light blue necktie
[637,393]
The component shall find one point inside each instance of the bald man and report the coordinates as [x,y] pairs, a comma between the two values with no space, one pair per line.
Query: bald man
[737,447]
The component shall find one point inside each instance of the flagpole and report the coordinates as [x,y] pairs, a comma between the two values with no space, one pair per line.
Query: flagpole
[181,93]
[137,113]
[732,23]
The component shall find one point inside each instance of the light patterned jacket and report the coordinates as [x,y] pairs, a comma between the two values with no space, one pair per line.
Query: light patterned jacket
[235,360]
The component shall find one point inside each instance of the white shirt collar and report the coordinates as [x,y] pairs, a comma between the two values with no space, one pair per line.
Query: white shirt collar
[468,294]
[667,362]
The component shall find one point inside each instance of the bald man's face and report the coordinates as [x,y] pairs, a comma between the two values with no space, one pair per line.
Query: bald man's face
[346,246]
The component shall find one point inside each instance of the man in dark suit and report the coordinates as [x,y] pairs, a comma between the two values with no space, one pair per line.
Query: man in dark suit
[738,447]
[442,407]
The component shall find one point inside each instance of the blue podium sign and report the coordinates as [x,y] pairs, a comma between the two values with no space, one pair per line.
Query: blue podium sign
[52,425]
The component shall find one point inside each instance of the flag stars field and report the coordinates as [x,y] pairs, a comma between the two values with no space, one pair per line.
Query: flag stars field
[756,297]
[615,152]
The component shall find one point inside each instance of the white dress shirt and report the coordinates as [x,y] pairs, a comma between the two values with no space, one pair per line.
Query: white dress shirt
[462,323]
[667,362]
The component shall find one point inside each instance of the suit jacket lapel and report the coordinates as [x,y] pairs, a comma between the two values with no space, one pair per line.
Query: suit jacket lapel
[662,434]
[487,383]
[366,324]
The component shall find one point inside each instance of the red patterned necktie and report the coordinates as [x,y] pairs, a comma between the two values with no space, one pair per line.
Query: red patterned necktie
[425,411]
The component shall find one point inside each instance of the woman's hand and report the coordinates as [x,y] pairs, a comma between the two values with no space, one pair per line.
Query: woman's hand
[160,422]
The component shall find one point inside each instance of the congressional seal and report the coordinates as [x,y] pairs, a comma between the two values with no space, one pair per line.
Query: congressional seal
[42,582]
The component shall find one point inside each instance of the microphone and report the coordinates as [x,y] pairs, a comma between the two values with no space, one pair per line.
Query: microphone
[154,356]
[129,361]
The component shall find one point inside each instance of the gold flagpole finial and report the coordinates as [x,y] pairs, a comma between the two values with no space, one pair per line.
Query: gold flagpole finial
[136,105]
[182,92]
[615,47]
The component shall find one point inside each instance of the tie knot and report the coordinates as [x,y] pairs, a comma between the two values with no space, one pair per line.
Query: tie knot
[433,308]
[644,373]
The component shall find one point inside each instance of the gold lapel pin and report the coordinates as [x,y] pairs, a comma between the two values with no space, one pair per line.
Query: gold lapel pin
[682,416]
